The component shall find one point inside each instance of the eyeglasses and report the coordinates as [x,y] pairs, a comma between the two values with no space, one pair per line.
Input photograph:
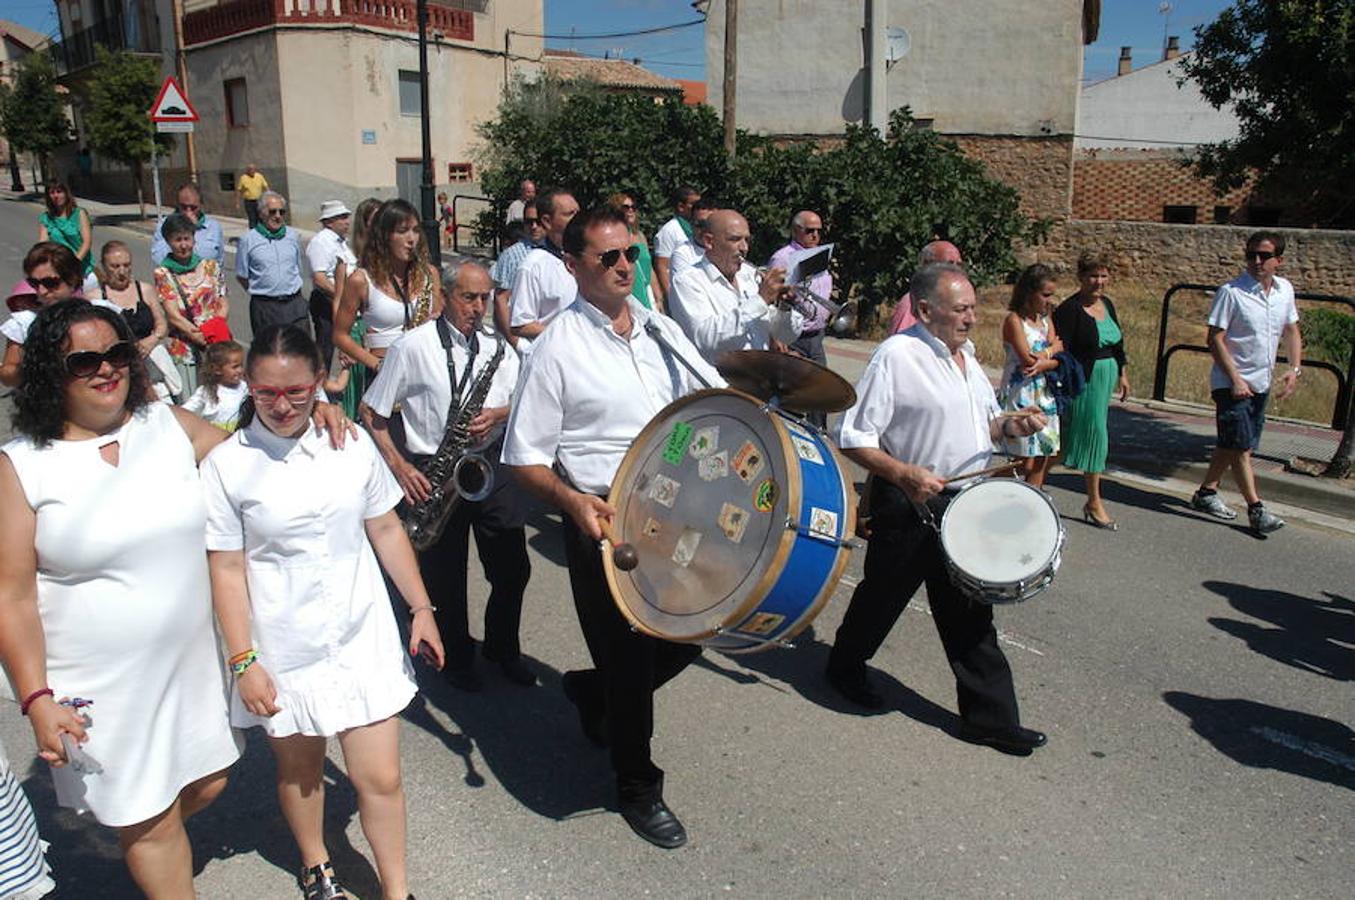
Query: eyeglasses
[87,363]
[627,205]
[275,212]
[611,257]
[189,207]
[295,394]
[51,283]
[533,222]
[809,230]
[1262,255]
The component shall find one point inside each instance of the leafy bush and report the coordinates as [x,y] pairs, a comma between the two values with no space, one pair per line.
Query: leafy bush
[1329,335]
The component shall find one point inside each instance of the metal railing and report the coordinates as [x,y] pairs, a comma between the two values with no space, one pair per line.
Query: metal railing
[1345,381]
[458,225]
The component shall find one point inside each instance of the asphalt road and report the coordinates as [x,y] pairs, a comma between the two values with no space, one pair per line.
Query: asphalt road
[1194,682]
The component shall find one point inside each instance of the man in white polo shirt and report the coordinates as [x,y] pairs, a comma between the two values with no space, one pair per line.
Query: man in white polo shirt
[1251,315]
[542,286]
[323,254]
[673,234]
[924,413]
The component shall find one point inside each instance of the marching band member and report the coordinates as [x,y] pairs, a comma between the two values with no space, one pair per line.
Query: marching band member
[719,301]
[925,412]
[432,374]
[542,286]
[594,379]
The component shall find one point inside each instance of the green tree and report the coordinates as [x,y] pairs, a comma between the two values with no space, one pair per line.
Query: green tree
[1287,69]
[33,113]
[117,100]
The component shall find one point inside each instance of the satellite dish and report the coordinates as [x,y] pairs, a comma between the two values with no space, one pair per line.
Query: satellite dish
[897,45]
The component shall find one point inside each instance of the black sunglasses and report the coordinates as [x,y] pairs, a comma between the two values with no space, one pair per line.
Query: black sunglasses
[275,212]
[51,282]
[613,256]
[86,363]
[809,230]
[1262,255]
[532,221]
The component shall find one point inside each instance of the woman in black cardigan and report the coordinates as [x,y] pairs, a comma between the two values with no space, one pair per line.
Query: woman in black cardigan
[1089,328]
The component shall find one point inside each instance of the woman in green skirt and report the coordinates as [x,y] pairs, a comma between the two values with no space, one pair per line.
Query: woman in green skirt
[1089,328]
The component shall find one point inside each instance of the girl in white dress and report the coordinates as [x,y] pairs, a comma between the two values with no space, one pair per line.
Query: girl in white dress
[307,621]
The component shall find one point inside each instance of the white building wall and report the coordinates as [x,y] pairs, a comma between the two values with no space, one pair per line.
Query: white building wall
[1147,110]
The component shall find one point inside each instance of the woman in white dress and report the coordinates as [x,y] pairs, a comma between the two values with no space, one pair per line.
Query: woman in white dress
[104,591]
[307,621]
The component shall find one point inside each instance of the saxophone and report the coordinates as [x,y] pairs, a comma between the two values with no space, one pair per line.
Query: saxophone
[454,472]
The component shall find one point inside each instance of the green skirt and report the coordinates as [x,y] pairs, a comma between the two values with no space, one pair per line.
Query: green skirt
[357,376]
[1085,444]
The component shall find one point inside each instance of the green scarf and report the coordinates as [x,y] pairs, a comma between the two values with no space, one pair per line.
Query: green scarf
[179,268]
[686,227]
[271,235]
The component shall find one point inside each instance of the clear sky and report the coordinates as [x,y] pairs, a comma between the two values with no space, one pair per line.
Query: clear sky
[680,53]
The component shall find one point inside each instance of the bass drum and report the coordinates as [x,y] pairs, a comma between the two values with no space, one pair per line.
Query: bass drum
[740,517]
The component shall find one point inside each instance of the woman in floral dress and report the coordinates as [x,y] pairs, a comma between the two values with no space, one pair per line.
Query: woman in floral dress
[1031,346]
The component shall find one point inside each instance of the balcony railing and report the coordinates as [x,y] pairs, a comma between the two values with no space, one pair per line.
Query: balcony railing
[238,16]
[112,33]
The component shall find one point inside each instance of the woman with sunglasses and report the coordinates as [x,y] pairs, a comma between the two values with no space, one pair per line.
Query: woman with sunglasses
[53,273]
[644,263]
[192,292]
[100,605]
[395,287]
[304,612]
[65,223]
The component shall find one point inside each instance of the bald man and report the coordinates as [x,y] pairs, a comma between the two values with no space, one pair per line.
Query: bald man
[719,301]
[935,252]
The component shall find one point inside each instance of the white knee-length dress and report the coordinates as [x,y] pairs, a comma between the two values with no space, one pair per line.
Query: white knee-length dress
[126,609]
[320,616]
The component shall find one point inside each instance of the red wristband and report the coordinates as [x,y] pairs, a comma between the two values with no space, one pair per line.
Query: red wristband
[29,700]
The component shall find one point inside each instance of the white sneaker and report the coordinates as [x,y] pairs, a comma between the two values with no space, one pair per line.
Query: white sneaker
[1212,504]
[1262,521]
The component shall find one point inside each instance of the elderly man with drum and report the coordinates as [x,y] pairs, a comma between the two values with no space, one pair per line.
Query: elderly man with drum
[595,378]
[925,413]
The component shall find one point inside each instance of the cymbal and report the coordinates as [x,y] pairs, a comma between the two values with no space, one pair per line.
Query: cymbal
[797,384]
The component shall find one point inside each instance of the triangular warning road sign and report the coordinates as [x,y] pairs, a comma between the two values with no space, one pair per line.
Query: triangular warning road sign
[172,104]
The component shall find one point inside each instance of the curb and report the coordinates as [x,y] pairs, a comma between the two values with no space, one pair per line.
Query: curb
[1317,494]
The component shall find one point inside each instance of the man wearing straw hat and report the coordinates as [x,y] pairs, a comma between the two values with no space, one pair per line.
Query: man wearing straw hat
[324,253]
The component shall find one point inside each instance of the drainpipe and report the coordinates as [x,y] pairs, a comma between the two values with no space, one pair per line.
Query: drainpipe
[876,104]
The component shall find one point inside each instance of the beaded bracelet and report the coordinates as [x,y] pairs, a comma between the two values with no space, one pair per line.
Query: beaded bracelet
[32,698]
[241,662]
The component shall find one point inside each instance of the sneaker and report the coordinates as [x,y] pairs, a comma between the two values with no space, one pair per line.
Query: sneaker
[1213,504]
[1262,521]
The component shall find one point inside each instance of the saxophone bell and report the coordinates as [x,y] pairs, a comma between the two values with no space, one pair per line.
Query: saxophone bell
[473,477]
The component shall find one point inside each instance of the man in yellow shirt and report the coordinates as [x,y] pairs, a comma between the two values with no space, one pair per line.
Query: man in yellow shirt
[250,187]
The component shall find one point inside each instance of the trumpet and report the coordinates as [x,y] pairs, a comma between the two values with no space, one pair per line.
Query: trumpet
[841,316]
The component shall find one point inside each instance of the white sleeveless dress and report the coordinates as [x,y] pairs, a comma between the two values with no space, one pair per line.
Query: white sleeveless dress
[386,317]
[126,608]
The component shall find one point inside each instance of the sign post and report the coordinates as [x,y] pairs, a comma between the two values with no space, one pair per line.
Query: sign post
[171,112]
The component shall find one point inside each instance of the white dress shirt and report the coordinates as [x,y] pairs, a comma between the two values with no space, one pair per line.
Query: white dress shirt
[413,376]
[720,315]
[587,392]
[325,250]
[542,288]
[671,236]
[914,403]
[685,255]
[1252,321]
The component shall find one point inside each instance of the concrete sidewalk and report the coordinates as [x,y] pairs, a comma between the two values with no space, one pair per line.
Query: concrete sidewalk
[1170,440]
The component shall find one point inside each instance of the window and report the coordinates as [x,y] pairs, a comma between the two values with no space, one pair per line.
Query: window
[1222,215]
[459,171]
[237,103]
[409,93]
[226,181]
[1180,215]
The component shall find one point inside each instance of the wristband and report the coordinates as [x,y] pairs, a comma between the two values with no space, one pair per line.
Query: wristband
[419,609]
[1296,370]
[32,698]
[241,662]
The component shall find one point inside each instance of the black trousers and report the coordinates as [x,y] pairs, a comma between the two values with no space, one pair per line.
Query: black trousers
[252,212]
[289,309]
[322,318]
[502,546]
[810,346]
[904,552]
[628,668]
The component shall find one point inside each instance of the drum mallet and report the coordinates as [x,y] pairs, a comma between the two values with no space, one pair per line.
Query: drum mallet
[624,556]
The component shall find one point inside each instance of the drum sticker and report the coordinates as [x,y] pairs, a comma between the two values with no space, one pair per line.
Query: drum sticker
[748,461]
[685,551]
[664,491]
[823,522]
[733,521]
[761,623]
[676,448]
[705,441]
[714,467]
[764,496]
[651,529]
[806,449]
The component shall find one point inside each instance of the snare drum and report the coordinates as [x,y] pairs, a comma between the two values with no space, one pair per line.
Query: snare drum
[1003,540]
[740,516]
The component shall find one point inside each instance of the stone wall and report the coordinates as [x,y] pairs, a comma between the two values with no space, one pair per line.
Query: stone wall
[1040,168]
[1153,253]
[1135,185]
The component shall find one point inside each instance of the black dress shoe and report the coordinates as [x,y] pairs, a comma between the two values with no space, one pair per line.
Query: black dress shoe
[515,670]
[655,822]
[591,718]
[463,678]
[1015,740]
[856,687]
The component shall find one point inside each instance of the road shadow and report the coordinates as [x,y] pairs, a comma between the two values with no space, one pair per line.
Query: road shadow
[544,533]
[1267,737]
[87,862]
[1308,633]
[1138,434]
[1117,493]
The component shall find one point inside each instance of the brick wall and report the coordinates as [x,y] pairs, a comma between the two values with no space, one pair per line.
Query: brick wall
[1040,168]
[1135,185]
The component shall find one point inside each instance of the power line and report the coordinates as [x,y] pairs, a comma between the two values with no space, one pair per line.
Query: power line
[609,35]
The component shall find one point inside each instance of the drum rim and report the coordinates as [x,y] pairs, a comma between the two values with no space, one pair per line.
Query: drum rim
[1060,532]
[794,499]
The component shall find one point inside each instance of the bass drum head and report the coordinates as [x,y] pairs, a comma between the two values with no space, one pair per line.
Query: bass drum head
[702,495]
[1000,531]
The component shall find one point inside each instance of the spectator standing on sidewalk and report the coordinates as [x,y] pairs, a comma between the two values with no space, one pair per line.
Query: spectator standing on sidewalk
[1251,316]
[192,291]
[324,252]
[268,267]
[526,194]
[251,187]
[65,223]
[208,242]
[670,236]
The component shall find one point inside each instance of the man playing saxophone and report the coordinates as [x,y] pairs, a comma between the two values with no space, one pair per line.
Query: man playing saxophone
[452,384]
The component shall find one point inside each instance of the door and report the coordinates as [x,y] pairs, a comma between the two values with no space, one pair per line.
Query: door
[408,174]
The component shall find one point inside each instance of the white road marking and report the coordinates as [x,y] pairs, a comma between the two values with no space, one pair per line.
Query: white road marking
[1307,748]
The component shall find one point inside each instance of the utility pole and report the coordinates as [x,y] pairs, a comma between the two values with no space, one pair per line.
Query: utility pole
[427,207]
[181,69]
[731,71]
